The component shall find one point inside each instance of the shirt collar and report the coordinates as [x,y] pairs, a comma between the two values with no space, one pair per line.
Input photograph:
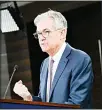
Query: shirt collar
[58,55]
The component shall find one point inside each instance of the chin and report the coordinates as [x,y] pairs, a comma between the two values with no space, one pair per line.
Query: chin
[44,50]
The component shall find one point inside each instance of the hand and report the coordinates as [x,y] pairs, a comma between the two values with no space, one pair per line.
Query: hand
[22,91]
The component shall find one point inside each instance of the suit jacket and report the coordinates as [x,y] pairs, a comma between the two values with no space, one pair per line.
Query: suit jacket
[72,83]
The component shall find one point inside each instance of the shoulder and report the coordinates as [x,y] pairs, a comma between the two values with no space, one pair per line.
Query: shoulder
[78,54]
[81,54]
[43,66]
[78,58]
[80,63]
[44,63]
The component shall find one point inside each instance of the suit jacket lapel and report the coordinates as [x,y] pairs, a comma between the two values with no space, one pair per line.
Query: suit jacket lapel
[62,64]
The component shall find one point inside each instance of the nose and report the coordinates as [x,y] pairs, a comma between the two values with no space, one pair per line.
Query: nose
[42,37]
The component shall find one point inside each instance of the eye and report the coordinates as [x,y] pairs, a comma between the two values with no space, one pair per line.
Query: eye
[39,33]
[47,32]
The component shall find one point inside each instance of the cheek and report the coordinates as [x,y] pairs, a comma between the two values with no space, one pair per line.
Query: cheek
[51,42]
[55,40]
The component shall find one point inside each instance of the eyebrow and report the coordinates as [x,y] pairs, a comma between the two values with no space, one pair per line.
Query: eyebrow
[43,30]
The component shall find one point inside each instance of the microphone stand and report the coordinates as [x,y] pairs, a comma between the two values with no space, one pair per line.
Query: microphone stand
[15,67]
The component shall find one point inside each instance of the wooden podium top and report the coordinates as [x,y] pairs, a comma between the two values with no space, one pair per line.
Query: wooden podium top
[40,103]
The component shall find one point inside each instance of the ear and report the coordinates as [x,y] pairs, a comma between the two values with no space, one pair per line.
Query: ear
[63,34]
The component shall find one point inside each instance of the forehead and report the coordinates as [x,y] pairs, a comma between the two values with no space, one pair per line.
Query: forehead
[46,23]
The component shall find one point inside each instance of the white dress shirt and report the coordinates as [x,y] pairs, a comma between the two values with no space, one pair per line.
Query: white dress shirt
[56,59]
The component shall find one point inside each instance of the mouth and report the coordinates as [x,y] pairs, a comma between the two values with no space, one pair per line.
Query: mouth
[42,43]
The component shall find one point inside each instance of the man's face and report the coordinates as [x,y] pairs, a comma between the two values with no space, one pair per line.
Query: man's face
[50,41]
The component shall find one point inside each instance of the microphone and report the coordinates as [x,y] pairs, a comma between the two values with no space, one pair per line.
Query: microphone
[14,69]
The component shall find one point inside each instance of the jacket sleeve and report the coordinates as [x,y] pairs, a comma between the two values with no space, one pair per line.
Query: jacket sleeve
[39,94]
[38,98]
[81,83]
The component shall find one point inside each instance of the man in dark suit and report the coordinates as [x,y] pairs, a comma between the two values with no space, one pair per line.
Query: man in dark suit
[66,75]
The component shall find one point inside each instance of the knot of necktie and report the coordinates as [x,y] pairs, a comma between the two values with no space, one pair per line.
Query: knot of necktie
[51,63]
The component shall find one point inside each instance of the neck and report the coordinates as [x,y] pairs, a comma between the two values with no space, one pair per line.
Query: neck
[55,50]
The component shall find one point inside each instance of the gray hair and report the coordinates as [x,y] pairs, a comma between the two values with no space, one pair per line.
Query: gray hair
[59,19]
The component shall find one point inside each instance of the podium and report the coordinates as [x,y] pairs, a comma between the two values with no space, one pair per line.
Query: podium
[20,104]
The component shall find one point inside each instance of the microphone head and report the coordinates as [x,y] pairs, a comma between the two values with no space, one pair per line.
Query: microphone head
[16,67]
